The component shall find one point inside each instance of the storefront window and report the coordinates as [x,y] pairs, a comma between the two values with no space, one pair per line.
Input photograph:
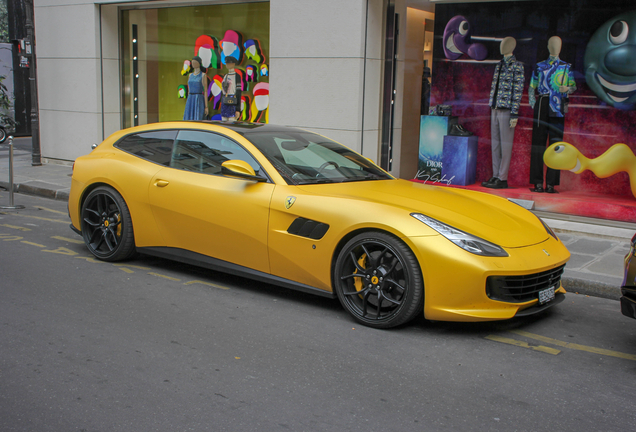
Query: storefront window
[158,46]
[572,79]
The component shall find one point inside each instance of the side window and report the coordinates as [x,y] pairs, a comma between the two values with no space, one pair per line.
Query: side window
[154,146]
[204,152]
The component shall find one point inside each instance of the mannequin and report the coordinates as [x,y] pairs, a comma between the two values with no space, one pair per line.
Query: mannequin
[554,81]
[231,87]
[505,98]
[197,103]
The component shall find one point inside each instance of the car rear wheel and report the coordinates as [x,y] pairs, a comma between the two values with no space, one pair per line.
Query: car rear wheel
[107,225]
[3,135]
[378,280]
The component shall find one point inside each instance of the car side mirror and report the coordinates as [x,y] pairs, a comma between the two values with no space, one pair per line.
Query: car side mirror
[241,169]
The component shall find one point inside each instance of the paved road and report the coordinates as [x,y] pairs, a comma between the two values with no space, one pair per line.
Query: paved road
[19,143]
[151,345]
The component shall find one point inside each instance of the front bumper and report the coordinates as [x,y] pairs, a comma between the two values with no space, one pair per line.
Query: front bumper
[455,281]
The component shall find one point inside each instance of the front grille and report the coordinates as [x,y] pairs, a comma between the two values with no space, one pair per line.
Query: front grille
[519,289]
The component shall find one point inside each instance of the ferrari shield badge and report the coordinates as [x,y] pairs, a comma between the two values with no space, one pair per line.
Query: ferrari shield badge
[290,202]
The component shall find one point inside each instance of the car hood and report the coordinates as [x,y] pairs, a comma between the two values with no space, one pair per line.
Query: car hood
[487,216]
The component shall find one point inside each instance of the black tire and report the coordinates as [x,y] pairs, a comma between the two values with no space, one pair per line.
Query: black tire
[378,280]
[107,226]
[3,135]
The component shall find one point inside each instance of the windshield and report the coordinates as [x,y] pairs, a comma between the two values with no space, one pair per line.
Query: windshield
[307,158]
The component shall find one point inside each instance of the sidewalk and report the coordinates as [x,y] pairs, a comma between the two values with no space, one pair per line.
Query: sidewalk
[48,180]
[598,247]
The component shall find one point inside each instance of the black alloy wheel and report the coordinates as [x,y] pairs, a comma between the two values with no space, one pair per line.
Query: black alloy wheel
[379,281]
[107,225]
[3,135]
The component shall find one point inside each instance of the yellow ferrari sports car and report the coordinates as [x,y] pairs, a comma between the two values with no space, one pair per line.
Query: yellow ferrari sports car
[294,208]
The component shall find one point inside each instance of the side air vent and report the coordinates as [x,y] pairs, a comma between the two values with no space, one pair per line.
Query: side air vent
[308,228]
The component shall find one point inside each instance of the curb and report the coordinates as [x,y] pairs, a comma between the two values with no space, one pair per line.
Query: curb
[591,288]
[37,191]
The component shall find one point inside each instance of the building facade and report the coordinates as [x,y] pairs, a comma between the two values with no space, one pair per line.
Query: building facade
[356,71]
[323,60]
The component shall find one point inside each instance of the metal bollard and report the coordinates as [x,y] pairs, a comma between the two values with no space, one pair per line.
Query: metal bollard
[11,206]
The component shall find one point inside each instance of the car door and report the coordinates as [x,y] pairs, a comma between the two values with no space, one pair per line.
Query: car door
[200,210]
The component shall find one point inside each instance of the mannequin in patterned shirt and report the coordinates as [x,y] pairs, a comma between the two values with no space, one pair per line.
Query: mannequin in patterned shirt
[505,99]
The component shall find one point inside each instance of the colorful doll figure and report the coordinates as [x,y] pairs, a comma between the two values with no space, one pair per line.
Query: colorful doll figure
[253,51]
[252,74]
[456,40]
[242,75]
[182,91]
[232,46]
[258,110]
[187,68]
[618,158]
[245,108]
[207,47]
[214,91]
[264,70]
[610,62]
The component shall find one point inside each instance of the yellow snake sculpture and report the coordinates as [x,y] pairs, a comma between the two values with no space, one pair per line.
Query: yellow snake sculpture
[617,158]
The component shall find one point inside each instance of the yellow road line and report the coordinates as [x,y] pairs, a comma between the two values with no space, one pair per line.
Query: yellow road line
[521,344]
[9,237]
[126,270]
[52,211]
[70,240]
[164,276]
[61,251]
[206,283]
[132,266]
[91,260]
[36,217]
[32,244]
[16,227]
[575,346]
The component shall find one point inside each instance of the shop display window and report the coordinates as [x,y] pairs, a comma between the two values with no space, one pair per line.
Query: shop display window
[595,105]
[157,51]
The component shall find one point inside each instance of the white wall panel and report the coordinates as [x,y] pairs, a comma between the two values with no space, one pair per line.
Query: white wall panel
[317,63]
[69,77]
[68,135]
[66,31]
[325,28]
[68,85]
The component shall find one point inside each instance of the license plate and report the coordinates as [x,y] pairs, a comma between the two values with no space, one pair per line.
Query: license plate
[546,295]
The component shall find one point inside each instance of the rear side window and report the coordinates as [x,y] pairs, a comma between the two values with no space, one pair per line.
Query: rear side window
[204,152]
[154,146]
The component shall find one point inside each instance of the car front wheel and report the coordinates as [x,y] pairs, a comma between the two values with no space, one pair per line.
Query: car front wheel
[107,225]
[378,280]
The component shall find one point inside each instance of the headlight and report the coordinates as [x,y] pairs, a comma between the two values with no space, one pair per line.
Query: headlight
[464,240]
[548,229]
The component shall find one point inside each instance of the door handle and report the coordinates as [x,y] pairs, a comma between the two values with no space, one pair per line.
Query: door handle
[162,183]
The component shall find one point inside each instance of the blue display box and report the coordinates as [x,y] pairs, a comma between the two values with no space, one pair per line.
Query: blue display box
[459,160]
[433,129]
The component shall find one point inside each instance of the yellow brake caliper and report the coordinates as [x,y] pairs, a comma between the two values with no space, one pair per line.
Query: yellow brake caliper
[119,226]
[359,283]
